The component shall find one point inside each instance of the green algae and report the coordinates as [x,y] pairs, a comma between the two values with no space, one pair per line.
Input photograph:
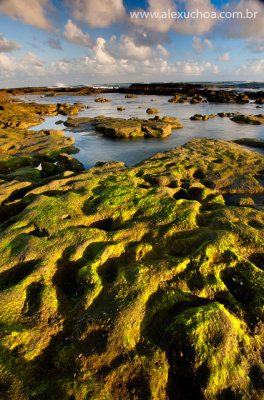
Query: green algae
[125,283]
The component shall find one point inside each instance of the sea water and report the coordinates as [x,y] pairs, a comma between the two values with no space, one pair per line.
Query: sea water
[94,147]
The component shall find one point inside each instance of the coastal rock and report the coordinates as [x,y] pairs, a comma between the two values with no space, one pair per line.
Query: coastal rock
[249,119]
[254,142]
[177,98]
[200,117]
[152,111]
[118,128]
[101,100]
[68,163]
[242,98]
[128,128]
[137,282]
[20,148]
[259,101]
[156,129]
[120,108]
[196,99]
[130,96]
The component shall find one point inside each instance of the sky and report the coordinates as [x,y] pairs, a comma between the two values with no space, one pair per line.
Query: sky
[74,42]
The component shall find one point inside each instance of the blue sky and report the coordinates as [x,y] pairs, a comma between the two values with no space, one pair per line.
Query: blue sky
[63,42]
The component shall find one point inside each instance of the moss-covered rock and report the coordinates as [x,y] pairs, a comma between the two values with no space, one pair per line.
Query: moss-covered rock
[249,119]
[101,100]
[128,128]
[136,283]
[19,148]
[152,111]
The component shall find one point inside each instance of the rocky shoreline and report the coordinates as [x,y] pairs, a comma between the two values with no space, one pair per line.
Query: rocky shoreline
[119,282]
[181,92]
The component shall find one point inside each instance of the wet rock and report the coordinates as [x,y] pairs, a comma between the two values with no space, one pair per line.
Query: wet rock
[199,117]
[120,108]
[254,142]
[68,163]
[152,111]
[101,100]
[249,119]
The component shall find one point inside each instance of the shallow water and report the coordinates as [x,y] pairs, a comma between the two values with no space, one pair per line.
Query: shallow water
[94,147]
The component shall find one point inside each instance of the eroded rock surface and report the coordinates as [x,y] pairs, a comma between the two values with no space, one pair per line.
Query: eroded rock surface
[137,283]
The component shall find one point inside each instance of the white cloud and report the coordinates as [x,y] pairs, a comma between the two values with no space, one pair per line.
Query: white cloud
[196,26]
[163,51]
[96,13]
[75,35]
[257,66]
[224,57]
[200,45]
[165,23]
[216,69]
[102,56]
[254,69]
[194,68]
[27,65]
[209,43]
[7,46]
[244,27]
[7,65]
[31,12]
[127,49]
[157,24]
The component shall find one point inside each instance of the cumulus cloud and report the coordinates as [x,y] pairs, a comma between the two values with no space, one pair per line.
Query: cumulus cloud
[156,24]
[200,45]
[208,43]
[244,27]
[200,25]
[224,57]
[7,46]
[194,68]
[127,49]
[97,13]
[27,65]
[55,43]
[75,35]
[255,68]
[31,12]
[102,55]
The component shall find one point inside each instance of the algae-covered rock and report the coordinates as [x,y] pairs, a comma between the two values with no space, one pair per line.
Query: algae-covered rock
[101,100]
[152,111]
[120,108]
[249,119]
[127,128]
[254,142]
[68,163]
[136,283]
[118,128]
